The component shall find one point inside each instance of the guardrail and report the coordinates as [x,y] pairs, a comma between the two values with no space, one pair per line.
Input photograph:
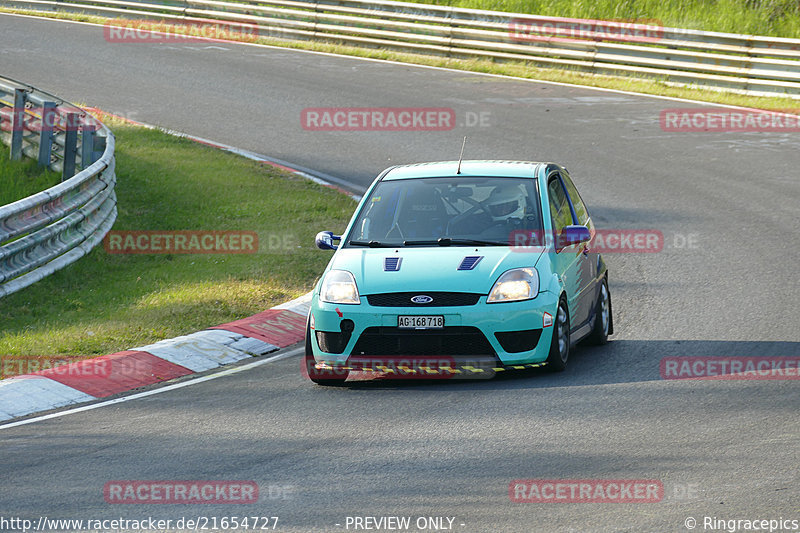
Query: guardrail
[741,63]
[54,228]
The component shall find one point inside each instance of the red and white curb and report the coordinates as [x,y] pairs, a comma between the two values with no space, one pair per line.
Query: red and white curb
[107,375]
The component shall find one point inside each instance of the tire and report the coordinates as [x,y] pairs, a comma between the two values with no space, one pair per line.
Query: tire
[320,377]
[603,319]
[560,344]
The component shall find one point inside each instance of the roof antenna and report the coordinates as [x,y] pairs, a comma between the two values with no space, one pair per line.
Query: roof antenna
[458,170]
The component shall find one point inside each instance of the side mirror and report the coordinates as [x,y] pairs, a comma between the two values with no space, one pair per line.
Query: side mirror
[573,235]
[324,240]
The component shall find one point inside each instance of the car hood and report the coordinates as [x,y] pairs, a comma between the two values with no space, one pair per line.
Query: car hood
[430,268]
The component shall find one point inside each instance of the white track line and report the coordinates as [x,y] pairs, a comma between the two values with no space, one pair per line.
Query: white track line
[194,381]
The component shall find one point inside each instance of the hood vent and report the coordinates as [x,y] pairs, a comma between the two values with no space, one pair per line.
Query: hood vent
[469,262]
[392,264]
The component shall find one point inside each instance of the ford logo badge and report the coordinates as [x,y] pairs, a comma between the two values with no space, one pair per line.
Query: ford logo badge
[422,299]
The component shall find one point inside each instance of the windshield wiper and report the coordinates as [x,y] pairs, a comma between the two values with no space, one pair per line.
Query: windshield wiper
[371,244]
[447,241]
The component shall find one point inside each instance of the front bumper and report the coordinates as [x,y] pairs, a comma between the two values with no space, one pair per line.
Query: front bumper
[513,333]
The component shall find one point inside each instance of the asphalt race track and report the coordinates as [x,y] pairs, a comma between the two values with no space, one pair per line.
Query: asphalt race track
[725,284]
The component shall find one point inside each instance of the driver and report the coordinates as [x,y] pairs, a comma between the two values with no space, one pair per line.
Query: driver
[505,203]
[506,206]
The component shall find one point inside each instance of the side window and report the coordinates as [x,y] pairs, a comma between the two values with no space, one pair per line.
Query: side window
[577,203]
[559,205]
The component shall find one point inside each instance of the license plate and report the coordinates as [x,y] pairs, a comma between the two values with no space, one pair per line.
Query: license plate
[420,322]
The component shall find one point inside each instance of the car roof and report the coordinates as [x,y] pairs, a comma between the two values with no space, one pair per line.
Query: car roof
[509,169]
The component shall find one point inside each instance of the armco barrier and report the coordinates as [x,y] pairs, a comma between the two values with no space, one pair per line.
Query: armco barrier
[54,228]
[743,63]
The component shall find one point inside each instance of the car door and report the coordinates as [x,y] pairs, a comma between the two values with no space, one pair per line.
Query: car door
[569,260]
[587,259]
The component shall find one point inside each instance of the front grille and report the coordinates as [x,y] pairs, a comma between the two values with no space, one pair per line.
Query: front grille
[519,341]
[452,341]
[440,299]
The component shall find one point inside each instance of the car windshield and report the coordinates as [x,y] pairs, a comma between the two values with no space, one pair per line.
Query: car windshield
[454,211]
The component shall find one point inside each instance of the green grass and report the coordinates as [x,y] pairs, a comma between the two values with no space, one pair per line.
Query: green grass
[778,18]
[20,179]
[109,302]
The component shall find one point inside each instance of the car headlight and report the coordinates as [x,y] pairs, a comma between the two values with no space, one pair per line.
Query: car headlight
[339,287]
[515,285]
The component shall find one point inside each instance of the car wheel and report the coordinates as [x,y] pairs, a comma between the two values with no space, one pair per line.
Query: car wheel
[320,377]
[602,320]
[559,346]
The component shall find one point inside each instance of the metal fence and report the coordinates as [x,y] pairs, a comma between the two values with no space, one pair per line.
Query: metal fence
[742,63]
[53,228]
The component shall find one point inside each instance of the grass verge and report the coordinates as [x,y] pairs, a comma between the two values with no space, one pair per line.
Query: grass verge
[777,18]
[20,179]
[516,68]
[110,302]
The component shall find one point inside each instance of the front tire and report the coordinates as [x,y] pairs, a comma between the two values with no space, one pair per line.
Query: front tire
[560,344]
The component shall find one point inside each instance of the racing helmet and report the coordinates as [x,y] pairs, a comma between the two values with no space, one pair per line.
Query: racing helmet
[506,201]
